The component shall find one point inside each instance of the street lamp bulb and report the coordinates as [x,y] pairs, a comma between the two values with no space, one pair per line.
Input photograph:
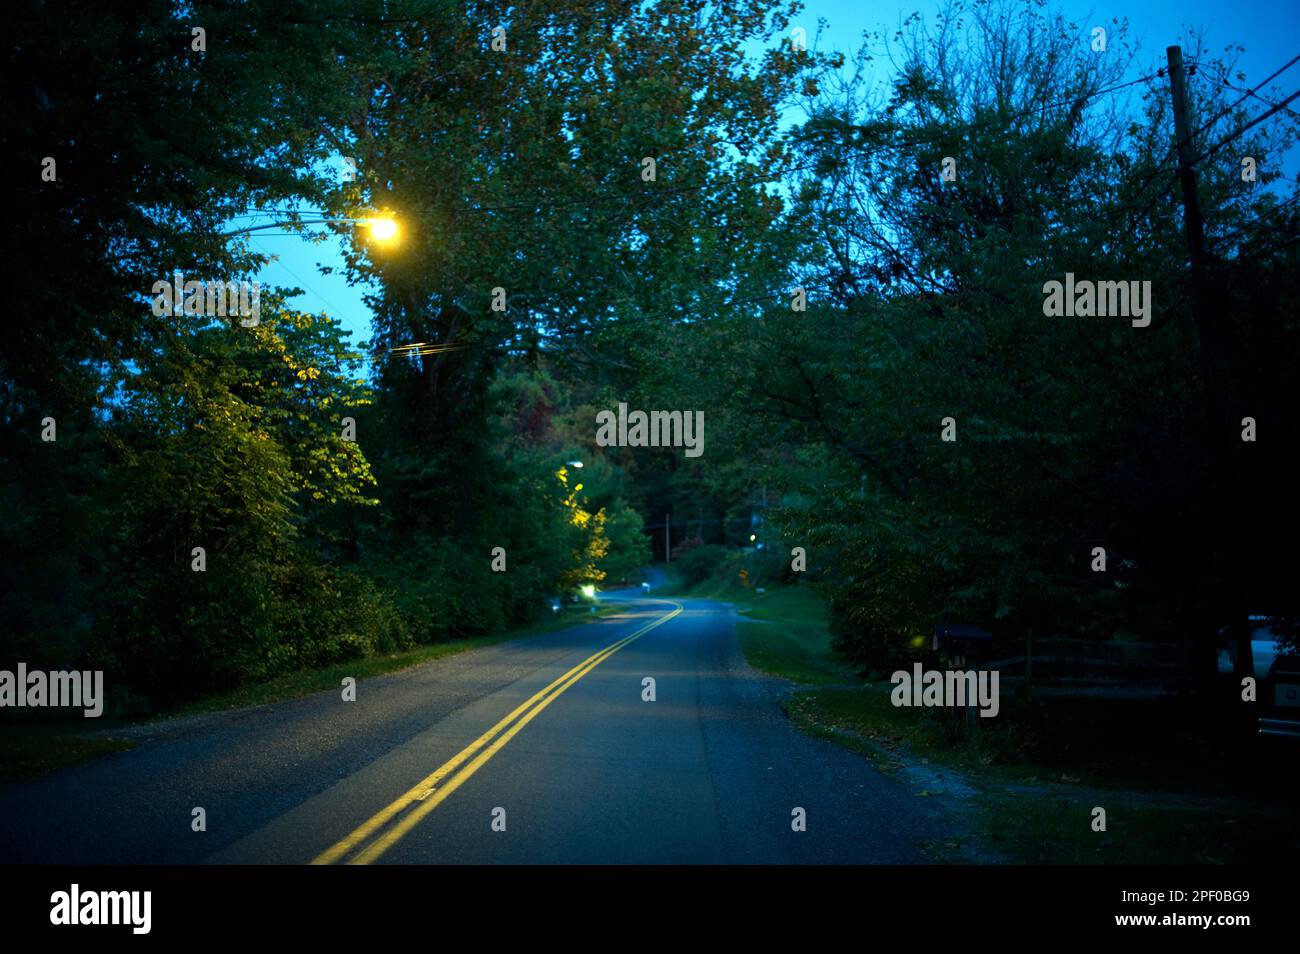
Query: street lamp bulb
[382,230]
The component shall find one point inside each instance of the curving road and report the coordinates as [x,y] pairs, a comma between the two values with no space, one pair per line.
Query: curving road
[549,737]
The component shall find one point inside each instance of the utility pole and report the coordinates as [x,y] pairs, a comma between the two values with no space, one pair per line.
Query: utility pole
[1194,225]
[1192,218]
[668,542]
[1029,661]
[1214,398]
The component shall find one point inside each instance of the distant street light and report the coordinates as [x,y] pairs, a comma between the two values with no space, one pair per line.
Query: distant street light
[575,463]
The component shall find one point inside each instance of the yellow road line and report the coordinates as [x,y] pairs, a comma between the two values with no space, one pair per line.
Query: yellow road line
[426,793]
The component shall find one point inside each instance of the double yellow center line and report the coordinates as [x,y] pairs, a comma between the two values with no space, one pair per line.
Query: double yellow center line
[385,828]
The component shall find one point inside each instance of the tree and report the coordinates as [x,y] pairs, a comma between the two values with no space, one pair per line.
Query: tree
[933,295]
[534,222]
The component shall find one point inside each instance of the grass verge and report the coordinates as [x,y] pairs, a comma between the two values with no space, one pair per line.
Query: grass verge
[786,635]
[1179,784]
[307,681]
[1057,829]
[27,752]
[34,751]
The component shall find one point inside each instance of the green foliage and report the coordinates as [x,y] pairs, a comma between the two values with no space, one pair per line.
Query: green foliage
[523,172]
[1070,433]
[698,563]
[629,547]
[184,431]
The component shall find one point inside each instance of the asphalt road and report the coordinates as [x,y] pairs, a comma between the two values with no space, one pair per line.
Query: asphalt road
[548,737]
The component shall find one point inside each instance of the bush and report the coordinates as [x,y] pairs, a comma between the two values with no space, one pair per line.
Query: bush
[233,628]
[700,562]
[686,546]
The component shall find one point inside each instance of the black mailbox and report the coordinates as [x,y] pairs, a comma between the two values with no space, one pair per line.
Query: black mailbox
[962,640]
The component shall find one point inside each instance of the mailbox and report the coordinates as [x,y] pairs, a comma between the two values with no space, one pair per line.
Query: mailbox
[960,641]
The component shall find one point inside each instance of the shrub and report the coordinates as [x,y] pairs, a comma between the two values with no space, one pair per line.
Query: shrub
[700,562]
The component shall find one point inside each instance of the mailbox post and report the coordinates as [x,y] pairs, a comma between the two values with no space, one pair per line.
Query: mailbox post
[958,643]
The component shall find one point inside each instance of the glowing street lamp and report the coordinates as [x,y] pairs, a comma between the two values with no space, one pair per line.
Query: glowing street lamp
[382,229]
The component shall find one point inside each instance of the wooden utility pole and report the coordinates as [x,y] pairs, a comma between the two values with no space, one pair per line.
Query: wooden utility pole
[1194,225]
[1192,219]
[1029,661]
[1214,398]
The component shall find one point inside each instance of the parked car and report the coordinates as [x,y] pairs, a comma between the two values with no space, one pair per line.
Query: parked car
[1276,664]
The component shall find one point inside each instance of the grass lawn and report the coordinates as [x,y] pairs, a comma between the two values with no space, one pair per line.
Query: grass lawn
[786,632]
[787,636]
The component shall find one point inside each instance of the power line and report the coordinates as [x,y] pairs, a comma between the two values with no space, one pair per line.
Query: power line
[275,261]
[1161,167]
[415,350]
[1256,222]
[915,140]
[657,194]
[1207,124]
[1254,122]
[1272,250]
[1248,93]
[946,135]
